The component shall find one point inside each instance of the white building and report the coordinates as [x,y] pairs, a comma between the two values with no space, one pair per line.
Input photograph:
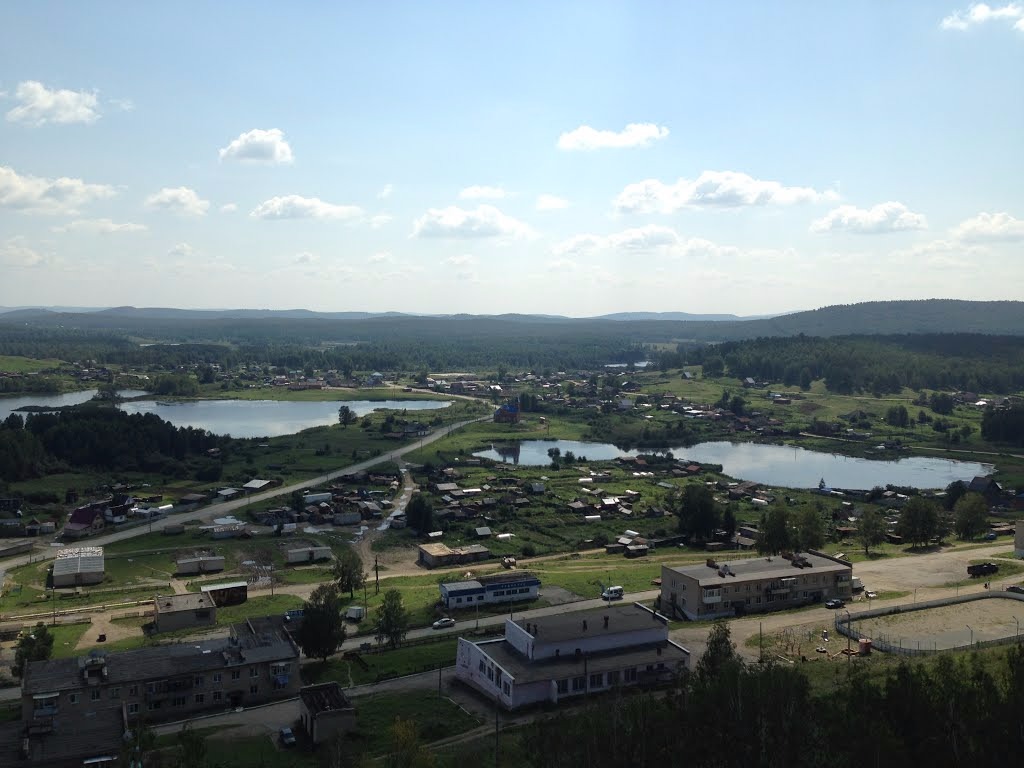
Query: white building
[78,566]
[572,654]
[499,588]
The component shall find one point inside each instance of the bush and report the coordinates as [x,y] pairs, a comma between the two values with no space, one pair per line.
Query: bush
[529,550]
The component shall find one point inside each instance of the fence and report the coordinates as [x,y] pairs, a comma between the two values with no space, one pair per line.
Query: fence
[887,644]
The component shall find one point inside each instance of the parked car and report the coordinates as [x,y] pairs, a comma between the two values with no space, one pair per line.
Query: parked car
[870,595]
[982,569]
[286,737]
[835,602]
[1015,588]
[444,623]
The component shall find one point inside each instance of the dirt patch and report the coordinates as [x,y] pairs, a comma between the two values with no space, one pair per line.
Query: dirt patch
[808,407]
[948,626]
[558,595]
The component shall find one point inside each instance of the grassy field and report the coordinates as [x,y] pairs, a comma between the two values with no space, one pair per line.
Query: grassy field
[15,364]
[436,717]
[403,661]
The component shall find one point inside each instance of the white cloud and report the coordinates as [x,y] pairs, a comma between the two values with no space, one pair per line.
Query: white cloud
[385,192]
[455,222]
[181,200]
[15,252]
[723,189]
[228,208]
[181,251]
[462,260]
[990,227]
[979,13]
[40,105]
[259,146]
[100,227]
[305,258]
[884,217]
[380,220]
[38,195]
[297,207]
[586,138]
[482,193]
[551,203]
[125,105]
[646,239]
[382,257]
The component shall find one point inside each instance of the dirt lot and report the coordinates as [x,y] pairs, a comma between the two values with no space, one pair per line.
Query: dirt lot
[950,625]
[930,570]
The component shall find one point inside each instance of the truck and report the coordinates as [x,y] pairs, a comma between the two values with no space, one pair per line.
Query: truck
[856,584]
[982,569]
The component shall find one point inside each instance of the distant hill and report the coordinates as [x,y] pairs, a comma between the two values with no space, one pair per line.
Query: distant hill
[680,316]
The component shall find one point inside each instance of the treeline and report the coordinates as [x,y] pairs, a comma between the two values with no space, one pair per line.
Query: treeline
[956,711]
[878,365]
[98,438]
[1003,425]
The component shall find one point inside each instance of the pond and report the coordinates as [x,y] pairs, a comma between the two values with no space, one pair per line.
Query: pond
[9,404]
[266,418]
[782,465]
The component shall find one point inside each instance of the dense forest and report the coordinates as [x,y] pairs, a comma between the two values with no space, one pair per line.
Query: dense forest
[878,364]
[956,711]
[99,438]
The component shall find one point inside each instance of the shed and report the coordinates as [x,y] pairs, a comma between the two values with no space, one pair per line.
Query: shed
[325,712]
[308,555]
[483,532]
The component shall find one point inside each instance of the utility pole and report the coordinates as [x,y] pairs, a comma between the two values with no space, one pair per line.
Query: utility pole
[365,578]
[440,664]
[376,574]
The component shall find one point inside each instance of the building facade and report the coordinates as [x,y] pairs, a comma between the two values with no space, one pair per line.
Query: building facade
[512,587]
[78,566]
[184,611]
[564,655]
[325,712]
[758,584]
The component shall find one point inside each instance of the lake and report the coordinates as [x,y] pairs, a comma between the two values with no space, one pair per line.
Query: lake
[782,465]
[266,418]
[9,404]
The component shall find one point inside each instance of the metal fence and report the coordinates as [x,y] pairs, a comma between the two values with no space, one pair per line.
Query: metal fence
[844,624]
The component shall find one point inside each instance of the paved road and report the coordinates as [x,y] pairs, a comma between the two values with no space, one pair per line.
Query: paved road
[222,509]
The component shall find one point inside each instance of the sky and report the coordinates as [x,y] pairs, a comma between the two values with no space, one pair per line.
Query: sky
[571,158]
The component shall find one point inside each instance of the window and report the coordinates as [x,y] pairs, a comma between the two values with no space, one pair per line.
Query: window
[178,701]
[133,709]
[280,685]
[217,678]
[597,680]
[563,686]
[115,693]
[200,681]
[254,689]
[237,673]
[254,672]
[479,597]
[629,675]
[133,690]
[73,698]
[579,683]
[217,696]
[613,677]
[154,705]
[507,688]
[95,695]
[482,667]
[490,673]
[200,698]
[458,599]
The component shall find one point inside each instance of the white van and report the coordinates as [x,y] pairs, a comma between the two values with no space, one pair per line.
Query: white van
[613,593]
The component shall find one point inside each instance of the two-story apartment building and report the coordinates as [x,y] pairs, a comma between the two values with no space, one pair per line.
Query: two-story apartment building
[571,654]
[754,585]
[257,663]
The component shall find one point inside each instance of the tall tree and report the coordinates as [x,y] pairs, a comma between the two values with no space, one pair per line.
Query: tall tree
[419,514]
[720,650]
[970,516]
[729,521]
[698,513]
[406,749]
[323,627]
[346,416]
[774,536]
[871,529]
[954,492]
[36,645]
[810,528]
[392,619]
[348,571]
[919,521]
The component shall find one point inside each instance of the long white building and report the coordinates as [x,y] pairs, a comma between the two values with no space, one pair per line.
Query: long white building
[571,654]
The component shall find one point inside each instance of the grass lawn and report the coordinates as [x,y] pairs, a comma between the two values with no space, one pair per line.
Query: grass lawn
[16,364]
[66,637]
[437,718]
[1009,570]
[398,663]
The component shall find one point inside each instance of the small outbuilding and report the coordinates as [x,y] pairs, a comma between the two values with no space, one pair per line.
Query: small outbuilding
[184,611]
[78,566]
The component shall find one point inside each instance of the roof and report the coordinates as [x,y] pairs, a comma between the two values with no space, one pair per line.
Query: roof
[508,577]
[524,670]
[324,697]
[72,560]
[567,626]
[460,587]
[756,568]
[256,485]
[188,601]
[229,585]
[76,735]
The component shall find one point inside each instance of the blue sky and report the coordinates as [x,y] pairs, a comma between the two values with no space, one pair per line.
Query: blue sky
[569,158]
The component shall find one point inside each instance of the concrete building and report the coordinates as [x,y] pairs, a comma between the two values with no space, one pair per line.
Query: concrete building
[188,566]
[1018,539]
[325,712]
[78,566]
[437,555]
[571,654]
[308,555]
[259,662]
[514,586]
[758,584]
[184,611]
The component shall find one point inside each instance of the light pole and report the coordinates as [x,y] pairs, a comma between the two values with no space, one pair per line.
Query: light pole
[1018,626]
[915,594]
[972,633]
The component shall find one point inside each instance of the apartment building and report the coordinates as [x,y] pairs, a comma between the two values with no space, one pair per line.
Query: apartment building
[758,584]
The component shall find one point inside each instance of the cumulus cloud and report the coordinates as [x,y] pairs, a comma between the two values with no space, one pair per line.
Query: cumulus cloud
[181,200]
[990,227]
[297,207]
[722,189]
[40,105]
[16,252]
[380,220]
[228,208]
[646,239]
[39,195]
[551,203]
[259,146]
[884,217]
[586,138]
[100,227]
[385,192]
[482,193]
[980,13]
[455,222]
